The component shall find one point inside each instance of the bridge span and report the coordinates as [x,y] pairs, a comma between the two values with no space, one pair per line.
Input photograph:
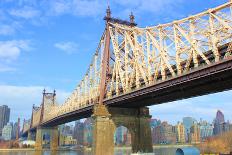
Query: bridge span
[135,67]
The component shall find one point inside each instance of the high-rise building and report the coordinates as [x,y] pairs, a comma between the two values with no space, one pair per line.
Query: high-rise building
[206,130]
[154,123]
[169,133]
[180,130]
[14,130]
[67,130]
[230,127]
[219,123]
[122,136]
[88,132]
[225,127]
[4,116]
[78,133]
[7,131]
[194,134]
[164,134]
[220,116]
[188,123]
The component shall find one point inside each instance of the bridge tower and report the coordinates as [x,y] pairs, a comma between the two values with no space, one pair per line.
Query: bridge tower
[107,119]
[49,99]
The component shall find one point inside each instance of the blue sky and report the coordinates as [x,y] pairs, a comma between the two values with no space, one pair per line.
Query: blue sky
[46,43]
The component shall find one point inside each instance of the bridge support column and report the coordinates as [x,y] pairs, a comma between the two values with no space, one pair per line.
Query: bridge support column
[141,136]
[54,134]
[106,121]
[103,142]
[39,139]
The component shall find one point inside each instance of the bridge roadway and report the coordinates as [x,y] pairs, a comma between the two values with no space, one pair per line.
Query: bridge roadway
[201,81]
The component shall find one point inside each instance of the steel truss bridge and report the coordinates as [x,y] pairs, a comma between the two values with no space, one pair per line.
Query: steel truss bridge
[136,67]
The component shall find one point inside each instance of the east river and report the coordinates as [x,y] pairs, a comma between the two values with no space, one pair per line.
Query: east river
[157,151]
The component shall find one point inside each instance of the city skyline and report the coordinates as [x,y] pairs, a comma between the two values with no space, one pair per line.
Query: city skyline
[186,131]
[33,60]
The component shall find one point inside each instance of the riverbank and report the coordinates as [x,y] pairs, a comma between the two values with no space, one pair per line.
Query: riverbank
[116,147]
[172,146]
[154,147]
[17,149]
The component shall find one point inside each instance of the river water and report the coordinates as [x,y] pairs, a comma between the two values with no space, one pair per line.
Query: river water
[160,151]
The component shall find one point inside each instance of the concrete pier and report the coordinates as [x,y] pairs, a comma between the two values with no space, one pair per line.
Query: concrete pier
[54,137]
[106,120]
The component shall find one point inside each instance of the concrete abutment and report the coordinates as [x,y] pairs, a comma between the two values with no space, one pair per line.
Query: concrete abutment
[54,137]
[106,120]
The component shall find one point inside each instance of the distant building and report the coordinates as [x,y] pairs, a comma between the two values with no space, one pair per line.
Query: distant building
[194,134]
[230,126]
[67,140]
[188,123]
[225,127]
[78,133]
[220,116]
[14,130]
[67,130]
[7,131]
[61,129]
[88,132]
[4,116]
[164,134]
[122,136]
[206,130]
[154,123]
[180,131]
[219,123]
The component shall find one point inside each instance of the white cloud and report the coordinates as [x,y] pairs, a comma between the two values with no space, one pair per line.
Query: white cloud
[6,30]
[58,7]
[77,7]
[95,8]
[88,8]
[10,50]
[68,47]
[21,98]
[5,68]
[9,53]
[154,6]
[156,10]
[25,12]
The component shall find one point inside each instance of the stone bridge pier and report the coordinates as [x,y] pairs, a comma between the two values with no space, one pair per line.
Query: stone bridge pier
[106,120]
[54,137]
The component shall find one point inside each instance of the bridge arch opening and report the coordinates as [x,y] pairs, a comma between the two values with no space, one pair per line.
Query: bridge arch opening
[122,140]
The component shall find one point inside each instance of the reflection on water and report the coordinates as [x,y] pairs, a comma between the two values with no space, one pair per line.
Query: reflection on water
[160,151]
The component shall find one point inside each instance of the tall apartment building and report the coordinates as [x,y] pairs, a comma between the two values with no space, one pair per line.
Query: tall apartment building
[180,130]
[7,131]
[4,116]
[195,134]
